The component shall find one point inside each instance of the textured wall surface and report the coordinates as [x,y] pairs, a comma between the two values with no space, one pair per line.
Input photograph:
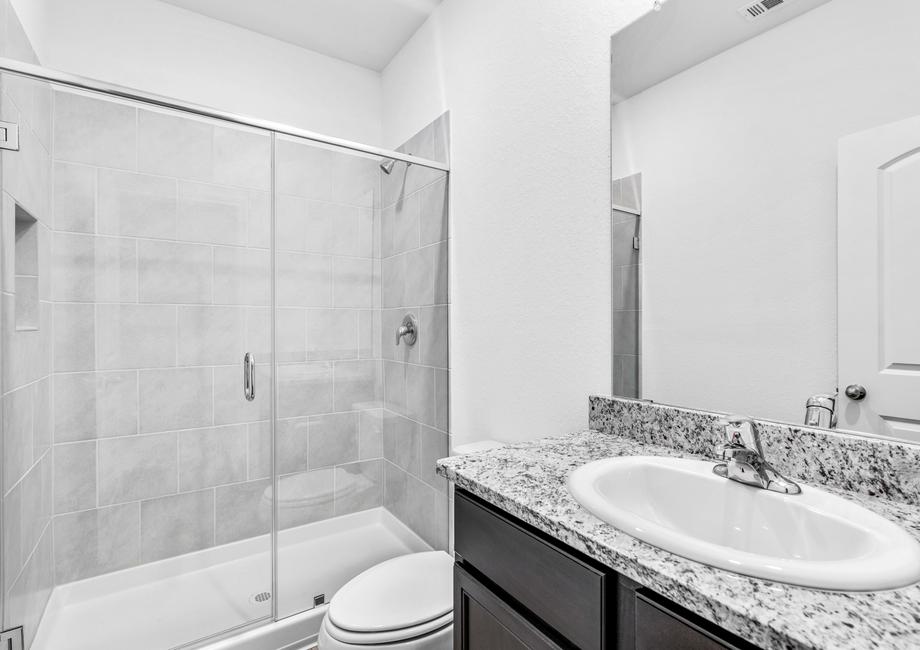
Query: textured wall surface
[528,88]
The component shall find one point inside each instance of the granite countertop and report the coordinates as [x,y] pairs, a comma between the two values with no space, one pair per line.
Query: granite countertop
[527,480]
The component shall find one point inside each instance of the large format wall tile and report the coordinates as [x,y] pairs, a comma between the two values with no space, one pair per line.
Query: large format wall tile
[359,486]
[12,535]
[74,197]
[210,457]
[242,511]
[91,405]
[332,334]
[122,328]
[170,272]
[171,145]
[17,434]
[357,384]
[136,205]
[94,269]
[176,398]
[94,131]
[433,212]
[36,501]
[97,541]
[353,282]
[176,524]
[137,467]
[399,227]
[230,406]
[401,442]
[213,214]
[242,158]
[333,439]
[241,276]
[304,389]
[292,445]
[74,337]
[300,497]
[303,169]
[74,477]
[210,336]
[303,280]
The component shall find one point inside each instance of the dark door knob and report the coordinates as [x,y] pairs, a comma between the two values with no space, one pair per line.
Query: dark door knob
[855,392]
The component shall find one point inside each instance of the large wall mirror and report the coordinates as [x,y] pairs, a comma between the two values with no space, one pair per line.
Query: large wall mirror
[766,210]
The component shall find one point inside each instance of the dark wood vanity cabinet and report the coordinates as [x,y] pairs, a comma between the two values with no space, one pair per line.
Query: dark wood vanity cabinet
[516,587]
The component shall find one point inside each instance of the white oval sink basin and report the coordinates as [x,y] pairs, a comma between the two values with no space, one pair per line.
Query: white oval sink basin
[813,539]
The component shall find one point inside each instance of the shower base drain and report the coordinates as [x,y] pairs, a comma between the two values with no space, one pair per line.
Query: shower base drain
[261,597]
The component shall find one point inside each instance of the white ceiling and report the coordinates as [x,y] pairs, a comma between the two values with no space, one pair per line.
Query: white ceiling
[368,33]
[684,33]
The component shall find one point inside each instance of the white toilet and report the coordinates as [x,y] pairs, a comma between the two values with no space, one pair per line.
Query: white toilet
[405,603]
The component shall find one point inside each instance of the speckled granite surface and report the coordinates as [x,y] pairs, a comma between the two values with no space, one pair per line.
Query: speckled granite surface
[871,466]
[528,481]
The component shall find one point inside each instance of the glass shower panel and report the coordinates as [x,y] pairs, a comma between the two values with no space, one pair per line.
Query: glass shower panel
[360,419]
[153,468]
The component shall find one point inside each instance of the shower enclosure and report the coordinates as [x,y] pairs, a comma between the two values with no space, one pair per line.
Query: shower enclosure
[209,423]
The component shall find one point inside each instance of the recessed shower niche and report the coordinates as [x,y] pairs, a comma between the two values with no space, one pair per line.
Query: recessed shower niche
[25,257]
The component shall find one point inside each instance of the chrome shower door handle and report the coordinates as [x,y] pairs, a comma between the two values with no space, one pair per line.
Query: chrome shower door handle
[249,376]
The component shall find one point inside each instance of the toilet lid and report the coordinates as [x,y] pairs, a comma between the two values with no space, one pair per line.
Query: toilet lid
[404,592]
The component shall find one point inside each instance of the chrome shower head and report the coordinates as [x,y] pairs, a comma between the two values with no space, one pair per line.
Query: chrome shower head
[386,166]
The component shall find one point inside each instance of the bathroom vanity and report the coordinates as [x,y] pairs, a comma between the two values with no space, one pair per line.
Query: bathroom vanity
[534,569]
[516,587]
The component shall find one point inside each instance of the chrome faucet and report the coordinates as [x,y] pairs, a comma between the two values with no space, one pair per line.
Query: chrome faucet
[745,461]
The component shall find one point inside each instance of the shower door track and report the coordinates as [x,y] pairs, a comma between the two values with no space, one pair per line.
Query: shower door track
[83,83]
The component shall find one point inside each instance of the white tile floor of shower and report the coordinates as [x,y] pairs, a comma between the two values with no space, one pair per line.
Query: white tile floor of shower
[168,603]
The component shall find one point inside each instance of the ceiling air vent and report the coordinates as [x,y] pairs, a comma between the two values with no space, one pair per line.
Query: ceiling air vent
[761,8]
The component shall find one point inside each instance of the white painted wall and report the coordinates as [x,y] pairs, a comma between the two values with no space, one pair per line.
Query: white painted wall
[527,83]
[163,49]
[738,161]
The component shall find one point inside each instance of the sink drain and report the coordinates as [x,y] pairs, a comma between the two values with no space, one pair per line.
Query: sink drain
[261,597]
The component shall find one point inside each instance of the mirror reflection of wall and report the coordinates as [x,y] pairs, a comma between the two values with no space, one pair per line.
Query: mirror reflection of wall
[738,129]
[625,273]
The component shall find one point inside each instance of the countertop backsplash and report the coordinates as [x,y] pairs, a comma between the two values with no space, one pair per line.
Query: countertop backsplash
[870,466]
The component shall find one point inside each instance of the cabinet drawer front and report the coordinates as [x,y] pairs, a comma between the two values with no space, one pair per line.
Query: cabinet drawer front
[657,628]
[558,588]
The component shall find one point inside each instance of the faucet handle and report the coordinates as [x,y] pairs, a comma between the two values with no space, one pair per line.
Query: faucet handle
[740,433]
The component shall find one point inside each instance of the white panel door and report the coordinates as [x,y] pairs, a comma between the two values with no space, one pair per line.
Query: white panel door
[878,261]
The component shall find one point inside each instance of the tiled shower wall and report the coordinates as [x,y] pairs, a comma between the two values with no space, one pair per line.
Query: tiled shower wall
[625,281]
[161,282]
[126,435]
[25,312]
[329,372]
[414,254]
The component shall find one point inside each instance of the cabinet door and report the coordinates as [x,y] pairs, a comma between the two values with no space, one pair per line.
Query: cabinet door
[660,626]
[483,620]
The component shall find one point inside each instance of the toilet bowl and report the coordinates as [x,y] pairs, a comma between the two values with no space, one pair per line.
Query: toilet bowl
[405,603]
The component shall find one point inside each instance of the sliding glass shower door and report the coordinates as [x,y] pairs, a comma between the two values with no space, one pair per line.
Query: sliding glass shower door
[361,248]
[145,236]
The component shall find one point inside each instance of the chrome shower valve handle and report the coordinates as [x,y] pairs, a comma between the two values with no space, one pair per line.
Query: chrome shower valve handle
[408,330]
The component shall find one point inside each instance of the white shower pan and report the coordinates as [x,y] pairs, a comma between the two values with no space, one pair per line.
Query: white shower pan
[166,604]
